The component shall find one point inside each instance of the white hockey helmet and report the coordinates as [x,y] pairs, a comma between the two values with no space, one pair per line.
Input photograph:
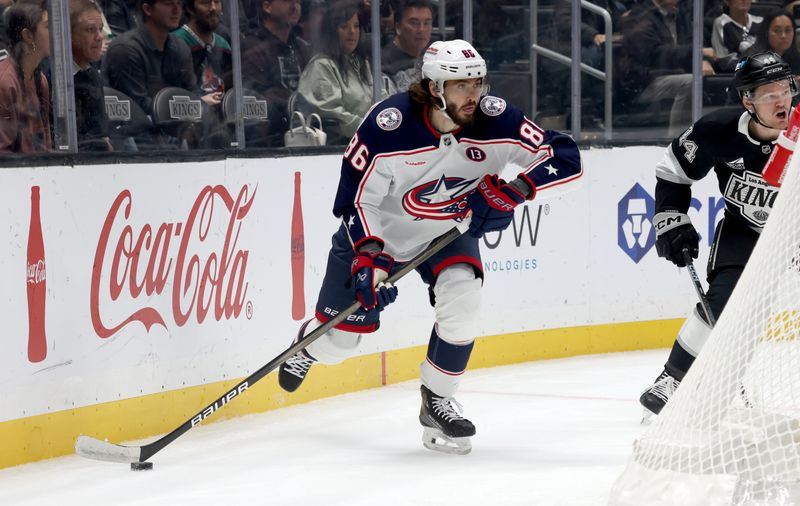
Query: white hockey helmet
[452,60]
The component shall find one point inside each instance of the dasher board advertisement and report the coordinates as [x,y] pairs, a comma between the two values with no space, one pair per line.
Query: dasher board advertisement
[152,278]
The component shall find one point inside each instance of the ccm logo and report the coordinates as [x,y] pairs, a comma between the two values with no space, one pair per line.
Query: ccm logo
[676,220]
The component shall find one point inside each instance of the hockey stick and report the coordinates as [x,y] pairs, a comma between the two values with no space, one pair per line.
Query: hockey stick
[687,257]
[707,310]
[93,448]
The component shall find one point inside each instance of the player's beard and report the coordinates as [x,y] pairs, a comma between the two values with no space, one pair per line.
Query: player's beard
[462,119]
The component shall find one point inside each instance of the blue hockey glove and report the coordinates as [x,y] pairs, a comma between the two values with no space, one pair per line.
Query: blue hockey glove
[386,294]
[675,233]
[369,269]
[492,204]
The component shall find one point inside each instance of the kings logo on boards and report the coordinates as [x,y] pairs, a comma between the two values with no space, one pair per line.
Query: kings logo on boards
[196,267]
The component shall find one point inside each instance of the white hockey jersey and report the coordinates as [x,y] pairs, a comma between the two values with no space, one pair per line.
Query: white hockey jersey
[404,184]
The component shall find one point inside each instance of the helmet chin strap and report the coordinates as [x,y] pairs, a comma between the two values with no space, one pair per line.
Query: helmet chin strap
[755,118]
[443,107]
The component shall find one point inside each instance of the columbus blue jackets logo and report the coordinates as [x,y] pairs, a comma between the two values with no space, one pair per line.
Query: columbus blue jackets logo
[493,106]
[443,199]
[389,119]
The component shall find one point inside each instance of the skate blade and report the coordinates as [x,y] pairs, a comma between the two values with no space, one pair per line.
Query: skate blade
[647,417]
[434,439]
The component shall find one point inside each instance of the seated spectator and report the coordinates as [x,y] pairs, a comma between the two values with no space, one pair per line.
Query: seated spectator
[732,33]
[338,82]
[307,28]
[777,32]
[140,62]
[402,59]
[4,4]
[248,18]
[272,59]
[121,15]
[86,24]
[24,91]
[656,61]
[211,53]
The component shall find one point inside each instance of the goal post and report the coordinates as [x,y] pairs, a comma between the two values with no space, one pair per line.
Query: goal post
[730,435]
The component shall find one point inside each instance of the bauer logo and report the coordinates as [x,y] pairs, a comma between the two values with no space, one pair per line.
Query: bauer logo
[635,232]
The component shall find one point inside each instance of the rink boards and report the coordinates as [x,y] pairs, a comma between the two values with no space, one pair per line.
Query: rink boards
[166,285]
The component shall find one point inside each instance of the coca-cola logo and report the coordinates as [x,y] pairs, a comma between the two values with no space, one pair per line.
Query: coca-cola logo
[208,273]
[36,272]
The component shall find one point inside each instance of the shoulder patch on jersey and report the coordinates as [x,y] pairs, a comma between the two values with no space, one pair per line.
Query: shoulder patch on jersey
[389,119]
[493,106]
[737,164]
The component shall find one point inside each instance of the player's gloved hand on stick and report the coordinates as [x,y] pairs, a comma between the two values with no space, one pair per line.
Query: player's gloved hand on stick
[675,233]
[492,204]
[370,267]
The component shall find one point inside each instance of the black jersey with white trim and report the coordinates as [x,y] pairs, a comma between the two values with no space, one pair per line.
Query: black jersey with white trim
[404,183]
[719,140]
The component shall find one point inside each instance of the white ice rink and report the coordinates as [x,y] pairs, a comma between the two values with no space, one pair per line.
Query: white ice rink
[555,432]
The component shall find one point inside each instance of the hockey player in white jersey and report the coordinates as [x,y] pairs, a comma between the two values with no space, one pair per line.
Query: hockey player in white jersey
[735,144]
[419,162]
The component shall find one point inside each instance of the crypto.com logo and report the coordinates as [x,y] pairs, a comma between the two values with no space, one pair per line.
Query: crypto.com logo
[635,232]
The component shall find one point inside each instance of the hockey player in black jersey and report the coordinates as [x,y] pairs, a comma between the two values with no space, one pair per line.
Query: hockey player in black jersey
[418,163]
[735,144]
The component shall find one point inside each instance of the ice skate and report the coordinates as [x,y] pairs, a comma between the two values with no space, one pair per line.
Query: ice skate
[295,369]
[655,397]
[444,429]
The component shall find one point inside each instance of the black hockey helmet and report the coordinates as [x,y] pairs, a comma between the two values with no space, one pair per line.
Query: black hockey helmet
[761,68]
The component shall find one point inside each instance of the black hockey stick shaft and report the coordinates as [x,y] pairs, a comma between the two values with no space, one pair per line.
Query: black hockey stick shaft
[102,450]
[698,287]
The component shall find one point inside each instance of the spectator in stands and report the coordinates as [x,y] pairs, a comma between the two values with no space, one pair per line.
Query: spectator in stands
[387,10]
[656,60]
[248,18]
[272,59]
[308,26]
[402,59]
[211,53]
[86,24]
[777,32]
[338,81]
[121,15]
[4,4]
[141,62]
[24,91]
[732,33]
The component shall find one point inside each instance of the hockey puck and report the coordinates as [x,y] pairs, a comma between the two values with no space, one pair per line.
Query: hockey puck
[141,466]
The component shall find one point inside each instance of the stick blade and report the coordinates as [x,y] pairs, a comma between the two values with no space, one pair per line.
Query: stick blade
[93,448]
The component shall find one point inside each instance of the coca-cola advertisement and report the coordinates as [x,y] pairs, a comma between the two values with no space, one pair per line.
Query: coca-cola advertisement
[36,275]
[197,266]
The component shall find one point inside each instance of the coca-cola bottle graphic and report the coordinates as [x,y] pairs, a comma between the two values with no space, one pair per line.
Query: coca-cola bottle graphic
[37,284]
[298,254]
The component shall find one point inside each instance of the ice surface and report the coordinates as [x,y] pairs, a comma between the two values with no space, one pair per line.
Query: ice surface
[550,433]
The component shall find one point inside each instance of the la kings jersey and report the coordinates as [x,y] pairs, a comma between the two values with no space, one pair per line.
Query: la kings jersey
[405,184]
[719,140]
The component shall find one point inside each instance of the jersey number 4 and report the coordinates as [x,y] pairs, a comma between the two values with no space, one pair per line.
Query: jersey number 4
[357,154]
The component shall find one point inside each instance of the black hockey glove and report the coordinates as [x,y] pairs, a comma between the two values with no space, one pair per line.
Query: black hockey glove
[369,269]
[675,233]
[492,204]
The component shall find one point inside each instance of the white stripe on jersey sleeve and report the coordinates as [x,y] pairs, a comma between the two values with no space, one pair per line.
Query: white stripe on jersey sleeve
[669,169]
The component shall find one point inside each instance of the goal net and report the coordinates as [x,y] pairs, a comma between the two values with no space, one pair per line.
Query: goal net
[730,435]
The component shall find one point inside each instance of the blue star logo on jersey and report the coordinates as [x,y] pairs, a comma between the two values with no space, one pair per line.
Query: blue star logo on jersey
[442,199]
[635,231]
